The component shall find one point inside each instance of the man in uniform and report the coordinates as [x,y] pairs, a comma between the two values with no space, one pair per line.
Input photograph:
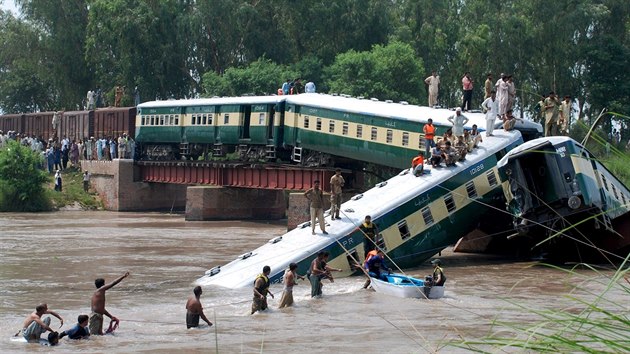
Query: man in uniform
[370,230]
[316,196]
[261,289]
[336,182]
[551,114]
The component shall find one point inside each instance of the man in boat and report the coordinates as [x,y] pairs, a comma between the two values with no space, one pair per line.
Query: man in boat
[194,310]
[417,164]
[374,265]
[98,304]
[438,274]
[370,230]
[34,326]
[261,289]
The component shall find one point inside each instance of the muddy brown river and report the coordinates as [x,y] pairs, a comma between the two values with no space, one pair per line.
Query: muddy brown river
[55,257]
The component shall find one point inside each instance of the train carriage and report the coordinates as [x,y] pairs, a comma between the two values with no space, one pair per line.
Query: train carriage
[11,122]
[76,125]
[39,124]
[555,189]
[114,122]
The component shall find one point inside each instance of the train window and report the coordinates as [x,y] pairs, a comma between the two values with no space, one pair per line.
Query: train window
[161,119]
[306,121]
[199,117]
[142,122]
[176,119]
[374,135]
[403,229]
[492,178]
[450,203]
[261,119]
[344,129]
[471,190]
[318,124]
[605,183]
[331,126]
[209,119]
[226,118]
[390,136]
[152,120]
[380,243]
[205,119]
[193,119]
[427,216]
[623,198]
[405,139]
[359,131]
[421,143]
[615,191]
[353,257]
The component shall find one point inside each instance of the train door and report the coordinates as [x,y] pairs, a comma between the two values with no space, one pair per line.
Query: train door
[245,120]
[271,113]
[216,115]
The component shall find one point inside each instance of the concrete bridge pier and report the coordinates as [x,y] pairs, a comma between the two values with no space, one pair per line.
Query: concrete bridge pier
[229,203]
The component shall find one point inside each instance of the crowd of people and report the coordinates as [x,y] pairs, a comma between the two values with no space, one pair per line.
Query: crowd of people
[294,87]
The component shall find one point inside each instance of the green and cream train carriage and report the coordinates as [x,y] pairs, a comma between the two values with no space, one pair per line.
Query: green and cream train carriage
[172,129]
[565,203]
[417,217]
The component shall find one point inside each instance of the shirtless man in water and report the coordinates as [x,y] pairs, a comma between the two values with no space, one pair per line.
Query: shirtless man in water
[34,326]
[194,310]
[98,304]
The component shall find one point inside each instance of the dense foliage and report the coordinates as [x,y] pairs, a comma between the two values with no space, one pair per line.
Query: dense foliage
[21,179]
[56,50]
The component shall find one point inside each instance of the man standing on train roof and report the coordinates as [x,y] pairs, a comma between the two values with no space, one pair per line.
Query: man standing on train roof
[417,164]
[98,304]
[309,87]
[467,84]
[194,309]
[458,120]
[429,136]
[261,289]
[491,107]
[286,87]
[434,84]
[552,109]
[487,86]
[336,182]
[316,196]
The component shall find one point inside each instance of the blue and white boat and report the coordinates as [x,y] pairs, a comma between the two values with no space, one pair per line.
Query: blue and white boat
[405,286]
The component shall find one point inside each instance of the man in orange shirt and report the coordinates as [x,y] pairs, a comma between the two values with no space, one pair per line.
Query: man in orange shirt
[417,164]
[429,134]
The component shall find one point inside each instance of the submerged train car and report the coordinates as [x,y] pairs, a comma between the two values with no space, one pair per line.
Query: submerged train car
[565,203]
[416,216]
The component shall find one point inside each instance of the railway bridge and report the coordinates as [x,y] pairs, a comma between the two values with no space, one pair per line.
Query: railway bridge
[207,190]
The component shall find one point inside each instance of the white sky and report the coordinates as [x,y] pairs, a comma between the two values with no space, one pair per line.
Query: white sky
[9,5]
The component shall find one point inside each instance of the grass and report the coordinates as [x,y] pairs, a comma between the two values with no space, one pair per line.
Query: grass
[598,326]
[72,191]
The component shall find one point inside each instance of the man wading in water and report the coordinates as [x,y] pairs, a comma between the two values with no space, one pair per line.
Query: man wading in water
[98,305]
[195,310]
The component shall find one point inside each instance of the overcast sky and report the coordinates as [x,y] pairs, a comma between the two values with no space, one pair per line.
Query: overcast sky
[9,5]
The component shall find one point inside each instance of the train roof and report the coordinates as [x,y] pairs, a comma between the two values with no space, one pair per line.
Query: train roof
[554,140]
[299,244]
[212,101]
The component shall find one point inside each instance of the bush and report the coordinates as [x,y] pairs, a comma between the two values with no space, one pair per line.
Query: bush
[21,179]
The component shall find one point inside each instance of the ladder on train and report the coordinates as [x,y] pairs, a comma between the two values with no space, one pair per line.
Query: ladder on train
[270,152]
[217,149]
[297,154]
[184,149]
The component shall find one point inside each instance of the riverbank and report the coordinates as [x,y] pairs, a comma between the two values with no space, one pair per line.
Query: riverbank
[72,196]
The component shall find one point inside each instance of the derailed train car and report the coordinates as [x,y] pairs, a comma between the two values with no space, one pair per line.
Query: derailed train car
[566,205]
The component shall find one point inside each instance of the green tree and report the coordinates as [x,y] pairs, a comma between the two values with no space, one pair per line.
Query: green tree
[21,179]
[385,72]
[261,77]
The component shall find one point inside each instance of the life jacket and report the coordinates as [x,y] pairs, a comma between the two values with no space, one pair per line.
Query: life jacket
[418,160]
[370,254]
[429,131]
[263,289]
[369,229]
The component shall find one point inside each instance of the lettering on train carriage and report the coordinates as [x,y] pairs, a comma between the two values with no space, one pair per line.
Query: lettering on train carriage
[390,124]
[476,169]
[562,151]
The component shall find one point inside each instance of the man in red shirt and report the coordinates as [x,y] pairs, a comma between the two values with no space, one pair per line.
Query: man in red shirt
[467,84]
[429,134]
[417,164]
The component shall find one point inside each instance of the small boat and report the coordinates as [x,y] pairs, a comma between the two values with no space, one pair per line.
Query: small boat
[405,286]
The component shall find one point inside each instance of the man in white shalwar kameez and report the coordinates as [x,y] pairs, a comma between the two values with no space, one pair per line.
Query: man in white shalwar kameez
[502,94]
[491,107]
[458,120]
[434,82]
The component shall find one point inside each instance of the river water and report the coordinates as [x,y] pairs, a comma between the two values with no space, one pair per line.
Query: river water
[55,257]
